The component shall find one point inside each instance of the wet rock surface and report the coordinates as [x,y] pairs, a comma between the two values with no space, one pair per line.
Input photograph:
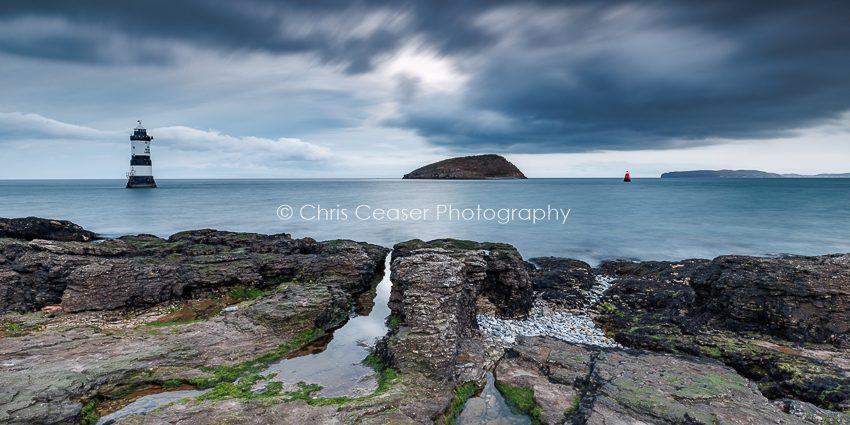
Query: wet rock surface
[805,299]
[435,344]
[46,375]
[810,413]
[139,271]
[713,341]
[433,297]
[757,315]
[800,299]
[438,288]
[30,228]
[580,384]
[563,281]
[297,309]
[505,289]
[51,366]
[236,411]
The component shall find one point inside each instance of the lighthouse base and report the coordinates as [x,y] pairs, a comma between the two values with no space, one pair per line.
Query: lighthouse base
[141,182]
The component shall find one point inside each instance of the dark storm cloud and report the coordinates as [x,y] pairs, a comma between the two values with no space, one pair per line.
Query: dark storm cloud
[542,76]
[646,75]
[58,29]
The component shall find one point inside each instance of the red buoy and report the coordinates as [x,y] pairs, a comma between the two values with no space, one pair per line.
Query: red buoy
[627,179]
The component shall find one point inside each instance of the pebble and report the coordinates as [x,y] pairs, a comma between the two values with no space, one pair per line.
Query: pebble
[573,328]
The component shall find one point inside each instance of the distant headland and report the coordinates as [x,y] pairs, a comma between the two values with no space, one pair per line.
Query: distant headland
[721,173]
[753,174]
[469,168]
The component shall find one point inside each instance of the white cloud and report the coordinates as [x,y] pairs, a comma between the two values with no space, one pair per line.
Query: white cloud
[257,149]
[344,24]
[416,60]
[15,126]
[33,146]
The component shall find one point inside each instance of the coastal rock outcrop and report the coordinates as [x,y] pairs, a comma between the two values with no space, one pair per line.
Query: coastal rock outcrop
[433,297]
[804,299]
[711,369]
[120,283]
[563,281]
[506,290]
[51,367]
[140,271]
[469,167]
[730,340]
[781,322]
[298,309]
[434,341]
[30,228]
[577,384]
[48,376]
[439,287]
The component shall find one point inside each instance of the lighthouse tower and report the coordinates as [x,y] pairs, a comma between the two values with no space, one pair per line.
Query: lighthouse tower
[140,175]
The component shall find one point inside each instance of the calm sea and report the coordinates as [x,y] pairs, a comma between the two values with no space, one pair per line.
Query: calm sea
[648,219]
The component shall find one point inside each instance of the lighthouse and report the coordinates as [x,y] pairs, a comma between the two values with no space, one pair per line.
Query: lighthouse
[140,175]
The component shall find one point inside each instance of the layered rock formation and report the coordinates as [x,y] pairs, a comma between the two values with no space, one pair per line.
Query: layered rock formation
[563,281]
[439,287]
[434,299]
[30,228]
[435,284]
[781,322]
[505,289]
[48,375]
[730,340]
[140,271]
[577,384]
[805,299]
[468,167]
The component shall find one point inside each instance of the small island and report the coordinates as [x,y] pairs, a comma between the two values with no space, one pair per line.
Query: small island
[469,168]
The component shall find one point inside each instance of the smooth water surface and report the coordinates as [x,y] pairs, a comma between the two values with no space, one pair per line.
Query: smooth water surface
[337,367]
[489,408]
[648,219]
[150,402]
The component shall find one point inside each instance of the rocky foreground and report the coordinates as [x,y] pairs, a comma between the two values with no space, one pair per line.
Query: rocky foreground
[734,340]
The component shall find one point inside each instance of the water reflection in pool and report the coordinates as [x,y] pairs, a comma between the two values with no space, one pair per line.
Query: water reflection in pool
[334,363]
[150,402]
[489,408]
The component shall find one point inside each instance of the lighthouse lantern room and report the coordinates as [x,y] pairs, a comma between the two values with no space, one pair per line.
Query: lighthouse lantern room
[141,174]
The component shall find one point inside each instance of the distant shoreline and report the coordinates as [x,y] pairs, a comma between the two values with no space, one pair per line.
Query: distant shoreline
[747,174]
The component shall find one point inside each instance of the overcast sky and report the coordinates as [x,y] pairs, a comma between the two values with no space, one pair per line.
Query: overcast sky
[377,88]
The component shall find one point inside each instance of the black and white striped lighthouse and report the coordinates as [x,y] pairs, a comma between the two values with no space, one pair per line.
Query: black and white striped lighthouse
[140,175]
